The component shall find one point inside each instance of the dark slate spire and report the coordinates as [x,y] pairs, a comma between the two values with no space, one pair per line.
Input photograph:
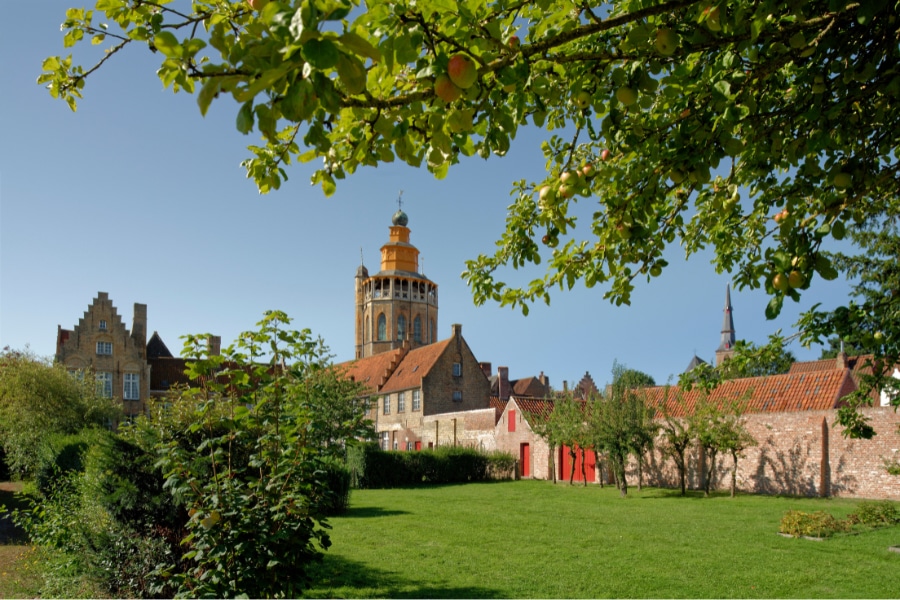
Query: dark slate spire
[727,324]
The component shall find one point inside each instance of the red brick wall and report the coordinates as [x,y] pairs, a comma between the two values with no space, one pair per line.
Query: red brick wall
[790,459]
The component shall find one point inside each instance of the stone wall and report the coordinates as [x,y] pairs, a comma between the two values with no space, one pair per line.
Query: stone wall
[471,428]
[800,454]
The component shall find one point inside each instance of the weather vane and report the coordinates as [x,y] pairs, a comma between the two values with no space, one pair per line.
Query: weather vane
[400,200]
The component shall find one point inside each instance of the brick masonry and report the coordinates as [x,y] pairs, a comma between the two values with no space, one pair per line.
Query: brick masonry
[802,454]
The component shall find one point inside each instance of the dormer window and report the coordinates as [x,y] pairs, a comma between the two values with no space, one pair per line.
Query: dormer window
[102,324]
[104,348]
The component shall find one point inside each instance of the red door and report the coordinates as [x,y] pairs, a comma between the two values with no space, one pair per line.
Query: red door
[418,446]
[525,459]
[587,457]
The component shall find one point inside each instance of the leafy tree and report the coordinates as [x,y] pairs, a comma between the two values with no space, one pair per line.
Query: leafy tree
[621,425]
[643,436]
[677,437]
[760,129]
[835,345]
[542,425]
[39,399]
[734,438]
[568,429]
[870,324]
[706,424]
[634,378]
[748,360]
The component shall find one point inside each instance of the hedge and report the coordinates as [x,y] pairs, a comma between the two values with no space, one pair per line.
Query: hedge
[371,467]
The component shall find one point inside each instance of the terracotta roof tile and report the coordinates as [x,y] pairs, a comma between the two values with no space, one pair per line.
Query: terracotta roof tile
[371,371]
[791,392]
[414,366]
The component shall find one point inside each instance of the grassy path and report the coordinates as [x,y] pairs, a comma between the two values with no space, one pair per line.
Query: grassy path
[17,579]
[532,539]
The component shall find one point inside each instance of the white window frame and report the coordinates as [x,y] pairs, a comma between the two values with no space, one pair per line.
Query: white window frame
[385,440]
[131,386]
[401,402]
[386,405]
[104,383]
[104,348]
[102,324]
[416,400]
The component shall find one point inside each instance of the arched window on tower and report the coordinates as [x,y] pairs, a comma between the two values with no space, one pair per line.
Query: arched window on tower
[431,331]
[366,330]
[382,328]
[401,327]
[417,329]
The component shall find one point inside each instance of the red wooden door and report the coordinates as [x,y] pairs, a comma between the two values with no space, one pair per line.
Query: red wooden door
[586,457]
[525,459]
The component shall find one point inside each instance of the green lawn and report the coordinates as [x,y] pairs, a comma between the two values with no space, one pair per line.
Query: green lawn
[531,539]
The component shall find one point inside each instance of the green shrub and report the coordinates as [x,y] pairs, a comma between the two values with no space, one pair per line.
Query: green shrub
[62,454]
[374,468]
[815,524]
[876,513]
[335,490]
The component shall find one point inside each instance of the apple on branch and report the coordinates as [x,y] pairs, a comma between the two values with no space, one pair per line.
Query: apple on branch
[462,71]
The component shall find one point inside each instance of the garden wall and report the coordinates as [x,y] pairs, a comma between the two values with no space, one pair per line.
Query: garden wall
[802,454]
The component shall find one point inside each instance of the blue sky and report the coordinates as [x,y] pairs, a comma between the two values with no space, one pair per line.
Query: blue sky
[139,196]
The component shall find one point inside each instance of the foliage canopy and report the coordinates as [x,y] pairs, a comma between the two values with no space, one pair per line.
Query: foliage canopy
[760,129]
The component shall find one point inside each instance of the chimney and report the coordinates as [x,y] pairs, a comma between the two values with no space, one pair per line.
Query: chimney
[841,358]
[214,344]
[486,369]
[503,383]
[457,334]
[139,328]
[545,381]
[565,386]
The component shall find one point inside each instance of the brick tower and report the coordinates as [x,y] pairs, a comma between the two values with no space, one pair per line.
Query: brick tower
[398,304]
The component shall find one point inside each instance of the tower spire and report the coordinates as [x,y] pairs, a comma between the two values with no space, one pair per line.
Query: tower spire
[726,347]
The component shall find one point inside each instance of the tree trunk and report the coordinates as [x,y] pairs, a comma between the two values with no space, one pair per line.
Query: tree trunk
[583,472]
[573,456]
[552,462]
[710,473]
[640,468]
[734,459]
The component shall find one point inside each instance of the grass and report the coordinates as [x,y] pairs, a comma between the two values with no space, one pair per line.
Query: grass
[531,539]
[18,576]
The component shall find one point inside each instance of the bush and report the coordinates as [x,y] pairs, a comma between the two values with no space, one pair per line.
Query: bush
[374,468]
[815,524]
[335,489]
[876,514]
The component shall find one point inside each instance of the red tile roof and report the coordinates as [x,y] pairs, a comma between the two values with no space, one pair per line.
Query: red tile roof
[415,365]
[395,370]
[535,409]
[791,392]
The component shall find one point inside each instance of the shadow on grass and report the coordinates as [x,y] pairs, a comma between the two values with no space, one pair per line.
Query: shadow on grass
[337,577]
[9,533]
[369,512]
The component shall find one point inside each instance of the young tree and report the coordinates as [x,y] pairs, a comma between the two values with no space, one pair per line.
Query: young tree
[677,438]
[686,121]
[39,399]
[620,425]
[644,434]
[734,439]
[568,429]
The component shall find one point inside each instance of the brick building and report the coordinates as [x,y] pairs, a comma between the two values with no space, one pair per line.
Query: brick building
[101,346]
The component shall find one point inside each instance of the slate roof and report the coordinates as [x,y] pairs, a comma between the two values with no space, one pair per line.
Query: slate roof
[791,392]
[156,348]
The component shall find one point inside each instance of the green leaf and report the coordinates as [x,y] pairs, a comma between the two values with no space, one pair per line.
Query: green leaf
[352,73]
[774,307]
[321,53]
[359,46]
[207,93]
[167,43]
[245,118]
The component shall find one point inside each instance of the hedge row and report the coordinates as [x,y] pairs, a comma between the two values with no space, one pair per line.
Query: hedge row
[371,467]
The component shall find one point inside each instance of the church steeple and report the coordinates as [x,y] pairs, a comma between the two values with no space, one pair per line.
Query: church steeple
[726,347]
[398,305]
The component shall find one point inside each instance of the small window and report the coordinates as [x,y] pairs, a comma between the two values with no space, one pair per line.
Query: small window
[417,400]
[132,389]
[382,328]
[457,369]
[387,405]
[417,329]
[102,325]
[457,396]
[401,402]
[385,441]
[409,446]
[401,327]
[104,383]
[104,348]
